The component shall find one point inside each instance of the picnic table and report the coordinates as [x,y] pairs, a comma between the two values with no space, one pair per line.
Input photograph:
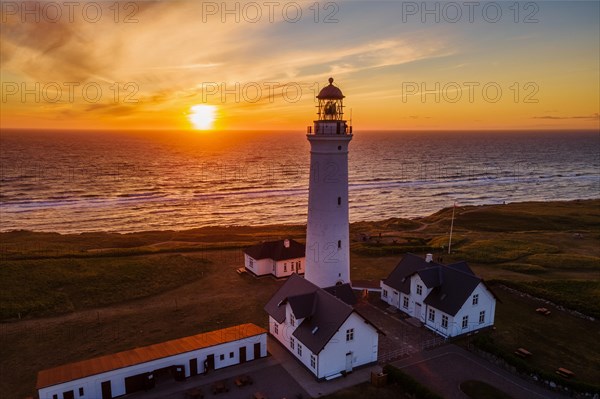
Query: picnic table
[522,352]
[219,387]
[194,393]
[243,380]
[563,372]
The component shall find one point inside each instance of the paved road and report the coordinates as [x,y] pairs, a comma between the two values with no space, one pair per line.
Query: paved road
[444,368]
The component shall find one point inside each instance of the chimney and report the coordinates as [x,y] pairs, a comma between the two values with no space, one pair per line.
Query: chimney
[286,243]
[428,258]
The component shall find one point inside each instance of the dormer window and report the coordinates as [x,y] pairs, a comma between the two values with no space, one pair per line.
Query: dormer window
[419,289]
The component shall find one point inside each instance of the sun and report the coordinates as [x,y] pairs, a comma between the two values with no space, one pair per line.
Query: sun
[202,116]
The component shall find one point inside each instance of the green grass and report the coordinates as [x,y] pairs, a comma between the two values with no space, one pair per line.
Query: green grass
[502,250]
[54,286]
[556,340]
[565,261]
[524,268]
[580,295]
[480,390]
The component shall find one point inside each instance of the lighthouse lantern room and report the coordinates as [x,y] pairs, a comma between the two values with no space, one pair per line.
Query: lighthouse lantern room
[327,235]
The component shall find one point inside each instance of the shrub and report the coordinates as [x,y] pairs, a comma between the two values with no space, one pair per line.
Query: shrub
[409,384]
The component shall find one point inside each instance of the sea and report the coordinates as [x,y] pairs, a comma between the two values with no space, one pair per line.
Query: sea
[88,181]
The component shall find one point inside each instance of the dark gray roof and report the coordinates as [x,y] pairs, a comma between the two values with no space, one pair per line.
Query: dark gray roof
[409,264]
[450,296]
[462,266]
[322,313]
[343,292]
[432,276]
[294,286]
[276,250]
[452,285]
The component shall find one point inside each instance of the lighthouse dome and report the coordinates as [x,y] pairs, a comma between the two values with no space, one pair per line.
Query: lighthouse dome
[330,92]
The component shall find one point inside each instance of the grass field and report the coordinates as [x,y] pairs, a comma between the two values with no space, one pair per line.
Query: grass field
[85,295]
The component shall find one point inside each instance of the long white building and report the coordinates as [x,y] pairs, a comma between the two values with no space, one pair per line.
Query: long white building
[110,376]
[449,299]
[278,258]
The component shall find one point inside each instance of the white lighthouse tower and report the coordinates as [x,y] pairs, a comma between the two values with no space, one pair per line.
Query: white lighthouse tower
[327,235]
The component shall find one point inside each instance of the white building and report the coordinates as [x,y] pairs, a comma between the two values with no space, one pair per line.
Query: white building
[327,335]
[449,299]
[109,376]
[327,232]
[280,258]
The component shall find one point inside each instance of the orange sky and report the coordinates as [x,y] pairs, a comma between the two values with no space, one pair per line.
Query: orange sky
[148,64]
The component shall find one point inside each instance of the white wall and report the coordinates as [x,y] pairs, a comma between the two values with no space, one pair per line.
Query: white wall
[92,384]
[259,267]
[287,265]
[332,359]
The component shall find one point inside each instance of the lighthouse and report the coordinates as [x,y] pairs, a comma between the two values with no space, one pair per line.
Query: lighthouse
[327,232]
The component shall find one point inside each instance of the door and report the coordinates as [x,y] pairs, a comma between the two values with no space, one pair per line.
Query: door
[106,390]
[348,362]
[243,354]
[210,363]
[418,310]
[69,395]
[257,351]
[396,299]
[193,367]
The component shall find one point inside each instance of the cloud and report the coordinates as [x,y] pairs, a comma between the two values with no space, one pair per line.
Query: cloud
[591,117]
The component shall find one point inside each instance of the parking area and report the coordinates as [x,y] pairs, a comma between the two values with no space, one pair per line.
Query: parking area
[269,379]
[401,338]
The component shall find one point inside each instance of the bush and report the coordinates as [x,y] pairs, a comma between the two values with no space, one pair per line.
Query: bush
[409,384]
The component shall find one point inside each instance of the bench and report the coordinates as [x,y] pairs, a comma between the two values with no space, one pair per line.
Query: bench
[243,380]
[522,352]
[565,372]
[219,386]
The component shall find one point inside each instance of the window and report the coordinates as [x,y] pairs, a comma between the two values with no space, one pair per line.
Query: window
[55,396]
[222,357]
[465,322]
[339,200]
[298,266]
[299,349]
[292,320]
[385,293]
[339,243]
[419,289]
[482,317]
[444,321]
[284,267]
[292,342]
[250,262]
[405,302]
[231,355]
[274,267]
[350,334]
[313,361]
[80,391]
[276,328]
[431,315]
[475,299]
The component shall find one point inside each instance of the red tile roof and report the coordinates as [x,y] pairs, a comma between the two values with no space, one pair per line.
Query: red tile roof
[102,364]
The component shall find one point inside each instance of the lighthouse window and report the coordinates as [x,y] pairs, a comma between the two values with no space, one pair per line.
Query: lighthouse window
[339,148]
[339,243]
[339,200]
